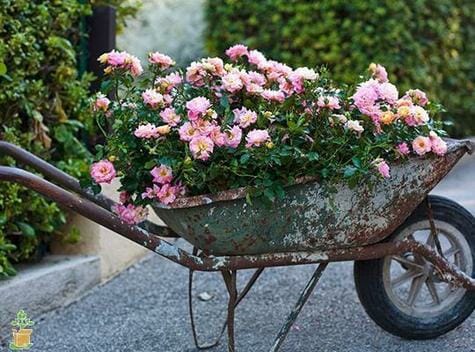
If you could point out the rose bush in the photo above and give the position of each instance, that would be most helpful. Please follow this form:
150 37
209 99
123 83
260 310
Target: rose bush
251 122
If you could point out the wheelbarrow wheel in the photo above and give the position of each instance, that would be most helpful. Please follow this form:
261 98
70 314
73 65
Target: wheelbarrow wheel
403 294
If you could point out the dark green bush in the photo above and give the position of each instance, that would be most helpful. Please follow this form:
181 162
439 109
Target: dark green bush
44 108
424 44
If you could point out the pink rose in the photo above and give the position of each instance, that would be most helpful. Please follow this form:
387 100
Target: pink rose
101 103
236 51
135 66
147 131
256 138
232 82
151 192
197 107
273 95
379 73
417 97
162 174
328 102
438 145
187 132
255 57
170 117
218 137
422 145
201 147
130 214
161 60
403 148
116 59
382 167
233 137
152 98
195 74
244 117
103 171
167 194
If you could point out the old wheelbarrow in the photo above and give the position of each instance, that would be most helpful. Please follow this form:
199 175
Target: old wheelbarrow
414 254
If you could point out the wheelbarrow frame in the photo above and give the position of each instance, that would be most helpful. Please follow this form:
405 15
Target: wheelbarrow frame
66 191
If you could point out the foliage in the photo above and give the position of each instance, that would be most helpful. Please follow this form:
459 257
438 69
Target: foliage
426 44
252 123
44 109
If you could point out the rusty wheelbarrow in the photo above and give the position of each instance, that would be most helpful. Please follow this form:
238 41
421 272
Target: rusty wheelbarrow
414 254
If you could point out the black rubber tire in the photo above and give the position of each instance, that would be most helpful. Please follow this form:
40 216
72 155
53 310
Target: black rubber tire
368 277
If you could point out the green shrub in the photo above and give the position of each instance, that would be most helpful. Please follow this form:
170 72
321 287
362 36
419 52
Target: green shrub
44 108
424 43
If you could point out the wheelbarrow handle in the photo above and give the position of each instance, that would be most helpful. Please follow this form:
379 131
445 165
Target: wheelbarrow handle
62 179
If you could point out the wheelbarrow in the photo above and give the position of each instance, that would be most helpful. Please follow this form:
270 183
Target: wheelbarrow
414 254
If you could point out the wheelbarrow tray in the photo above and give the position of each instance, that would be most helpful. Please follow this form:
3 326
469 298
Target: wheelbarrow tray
309 217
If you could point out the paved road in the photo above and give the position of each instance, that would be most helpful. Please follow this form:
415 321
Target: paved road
144 309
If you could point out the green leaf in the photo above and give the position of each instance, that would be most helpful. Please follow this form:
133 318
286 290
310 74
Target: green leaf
312 156
3 68
349 171
26 229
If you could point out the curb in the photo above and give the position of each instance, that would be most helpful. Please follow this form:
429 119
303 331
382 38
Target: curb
54 282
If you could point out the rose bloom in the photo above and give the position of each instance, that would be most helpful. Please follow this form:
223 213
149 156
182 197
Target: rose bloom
167 194
355 126
135 66
378 72
255 57
152 98
187 132
365 96
164 129
236 51
195 74
201 147
114 58
420 115
170 117
421 145
130 214
217 136
167 83
214 65
151 192
232 82
438 145
101 103
162 174
256 138
233 137
244 117
403 148
161 60
387 92
329 102
103 171
306 73
387 118
146 131
417 96
197 107
273 95
382 167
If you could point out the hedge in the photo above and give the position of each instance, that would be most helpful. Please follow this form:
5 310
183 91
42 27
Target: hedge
44 108
424 43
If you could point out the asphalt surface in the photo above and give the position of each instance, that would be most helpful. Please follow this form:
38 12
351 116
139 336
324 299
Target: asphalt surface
145 309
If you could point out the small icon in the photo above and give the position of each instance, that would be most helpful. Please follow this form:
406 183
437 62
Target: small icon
21 333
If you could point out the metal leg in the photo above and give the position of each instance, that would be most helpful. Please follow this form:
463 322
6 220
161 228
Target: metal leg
239 298
230 281
284 330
